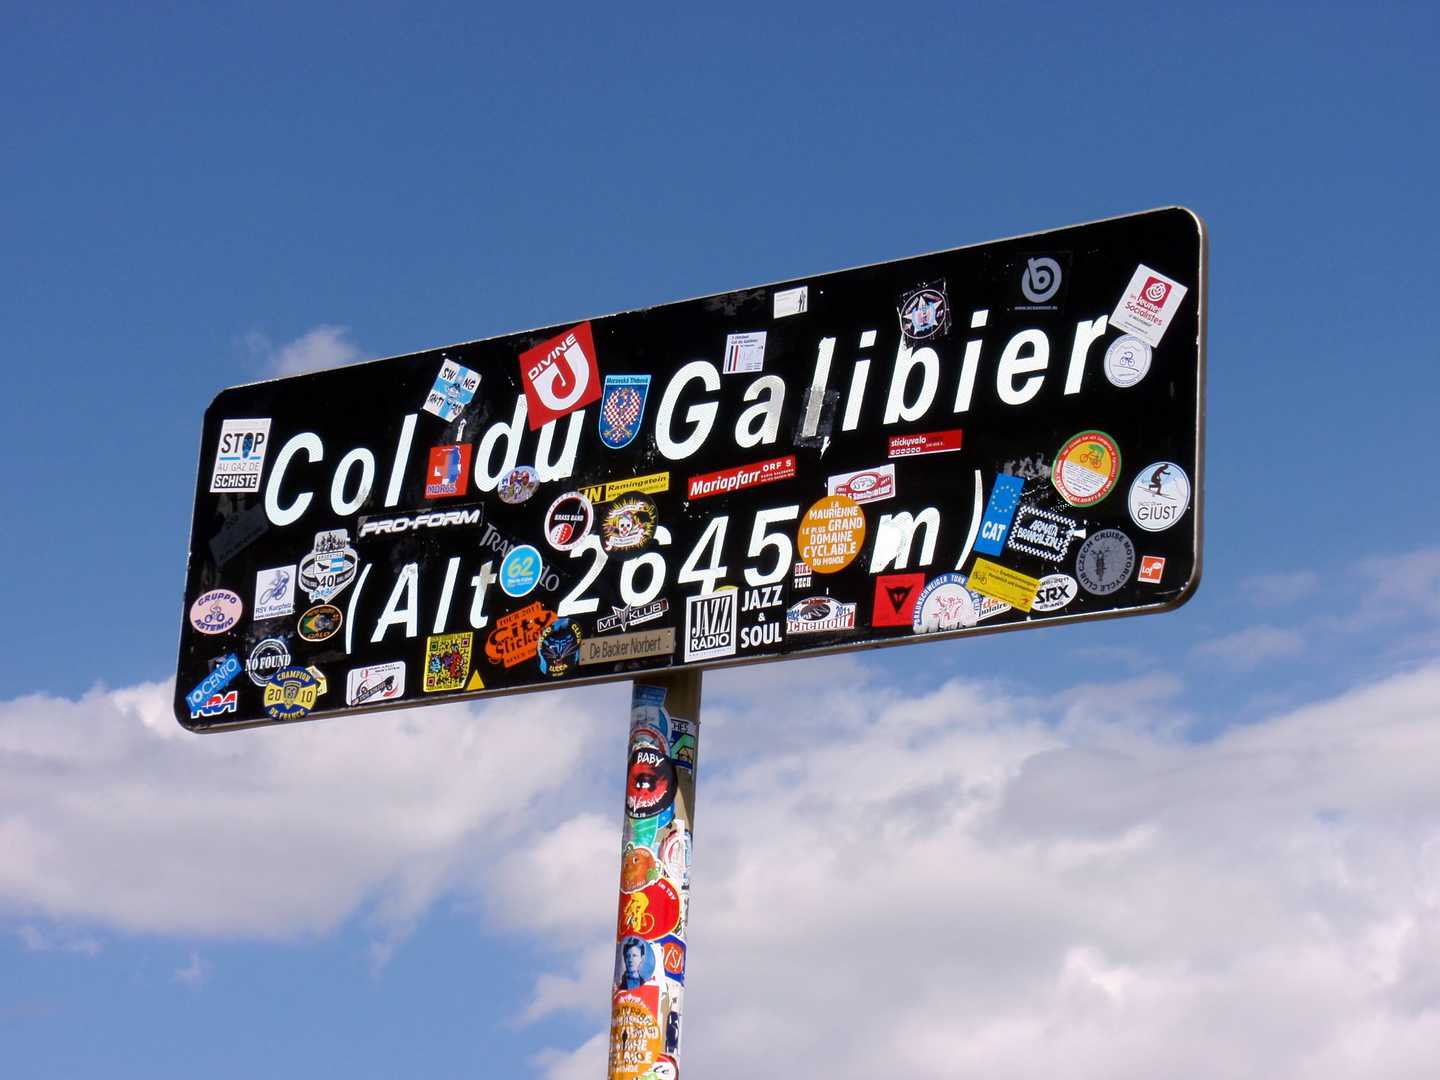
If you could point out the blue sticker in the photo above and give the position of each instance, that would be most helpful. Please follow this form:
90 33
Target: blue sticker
226 668
520 570
621 409
1004 498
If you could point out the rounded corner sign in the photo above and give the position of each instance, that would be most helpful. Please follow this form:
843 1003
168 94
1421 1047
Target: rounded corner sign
994 437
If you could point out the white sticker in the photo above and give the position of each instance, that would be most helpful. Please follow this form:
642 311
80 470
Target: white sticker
1159 496
378 682
865 485
454 388
1127 361
1148 304
745 352
240 455
794 301
274 593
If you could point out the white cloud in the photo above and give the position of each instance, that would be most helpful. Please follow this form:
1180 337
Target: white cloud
36 940
1247 649
193 974
1276 590
325 346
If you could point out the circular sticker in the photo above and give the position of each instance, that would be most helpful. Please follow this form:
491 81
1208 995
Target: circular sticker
291 694
320 623
629 523
1105 562
1159 496
520 570
568 520
634 963
559 647
637 868
651 912
944 604
831 534
1086 468
519 484
216 611
1127 360
649 783
266 659
924 313
1054 592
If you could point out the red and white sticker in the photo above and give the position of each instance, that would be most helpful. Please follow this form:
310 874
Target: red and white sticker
741 476
865 485
929 442
560 375
1152 567
1148 304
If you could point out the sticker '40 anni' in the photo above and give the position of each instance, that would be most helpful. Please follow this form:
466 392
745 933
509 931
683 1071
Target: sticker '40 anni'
642 577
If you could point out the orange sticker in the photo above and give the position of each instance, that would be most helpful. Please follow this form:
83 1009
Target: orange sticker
831 534
516 637
635 1035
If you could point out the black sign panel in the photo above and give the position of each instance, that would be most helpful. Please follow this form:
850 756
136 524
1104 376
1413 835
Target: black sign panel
987 438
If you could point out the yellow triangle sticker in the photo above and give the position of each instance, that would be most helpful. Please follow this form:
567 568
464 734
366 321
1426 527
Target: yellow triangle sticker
475 683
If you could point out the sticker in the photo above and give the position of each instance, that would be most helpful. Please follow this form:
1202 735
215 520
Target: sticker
762 597
631 615
831 534
1159 496
925 312
649 783
672 957
475 683
801 575
794 301
819 615
1086 468
447 661
1105 562
1004 498
216 611
560 375
454 388
1054 592
1127 361
425 519
622 407
516 636
864 485
520 570
651 912
638 868
519 484
1152 568
1148 304
628 524
266 659
674 849
1001 583
274 593
930 442
449 466
635 961
240 456
221 675
1043 533
330 566
944 604
895 596
239 532
711 625
568 521
740 477
744 353
292 693
632 646
1041 279
635 1036
320 623
215 704
652 484
377 682
559 647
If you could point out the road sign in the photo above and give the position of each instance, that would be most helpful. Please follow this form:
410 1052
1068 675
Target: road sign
992 437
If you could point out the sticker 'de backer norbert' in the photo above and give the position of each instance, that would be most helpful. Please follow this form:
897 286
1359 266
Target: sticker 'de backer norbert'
976 439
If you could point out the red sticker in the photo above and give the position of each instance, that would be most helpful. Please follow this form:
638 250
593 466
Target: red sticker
741 476
651 913
560 375
449 466
1152 567
895 596
929 442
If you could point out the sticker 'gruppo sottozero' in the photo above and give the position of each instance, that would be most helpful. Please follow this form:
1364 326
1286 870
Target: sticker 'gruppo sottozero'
1086 468
831 534
216 611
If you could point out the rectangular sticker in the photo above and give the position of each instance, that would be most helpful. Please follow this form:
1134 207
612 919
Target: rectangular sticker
711 625
792 301
378 682
930 442
454 388
1004 498
865 485
644 485
744 352
633 646
741 476
240 456
1148 304
1002 583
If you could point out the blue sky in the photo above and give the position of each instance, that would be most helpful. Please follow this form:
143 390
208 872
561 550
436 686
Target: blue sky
1219 827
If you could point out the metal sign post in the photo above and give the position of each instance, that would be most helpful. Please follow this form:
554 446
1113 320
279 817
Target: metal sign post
648 994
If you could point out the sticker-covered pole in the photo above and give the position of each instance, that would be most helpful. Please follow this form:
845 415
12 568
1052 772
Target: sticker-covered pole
647 995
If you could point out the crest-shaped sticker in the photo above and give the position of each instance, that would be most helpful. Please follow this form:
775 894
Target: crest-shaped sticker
622 407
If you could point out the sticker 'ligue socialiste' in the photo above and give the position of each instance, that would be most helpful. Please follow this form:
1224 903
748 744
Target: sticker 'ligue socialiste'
984 438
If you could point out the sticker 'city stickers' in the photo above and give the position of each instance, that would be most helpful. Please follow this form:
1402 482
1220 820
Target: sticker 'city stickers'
1086 468
240 456
560 375
447 661
622 407
516 636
